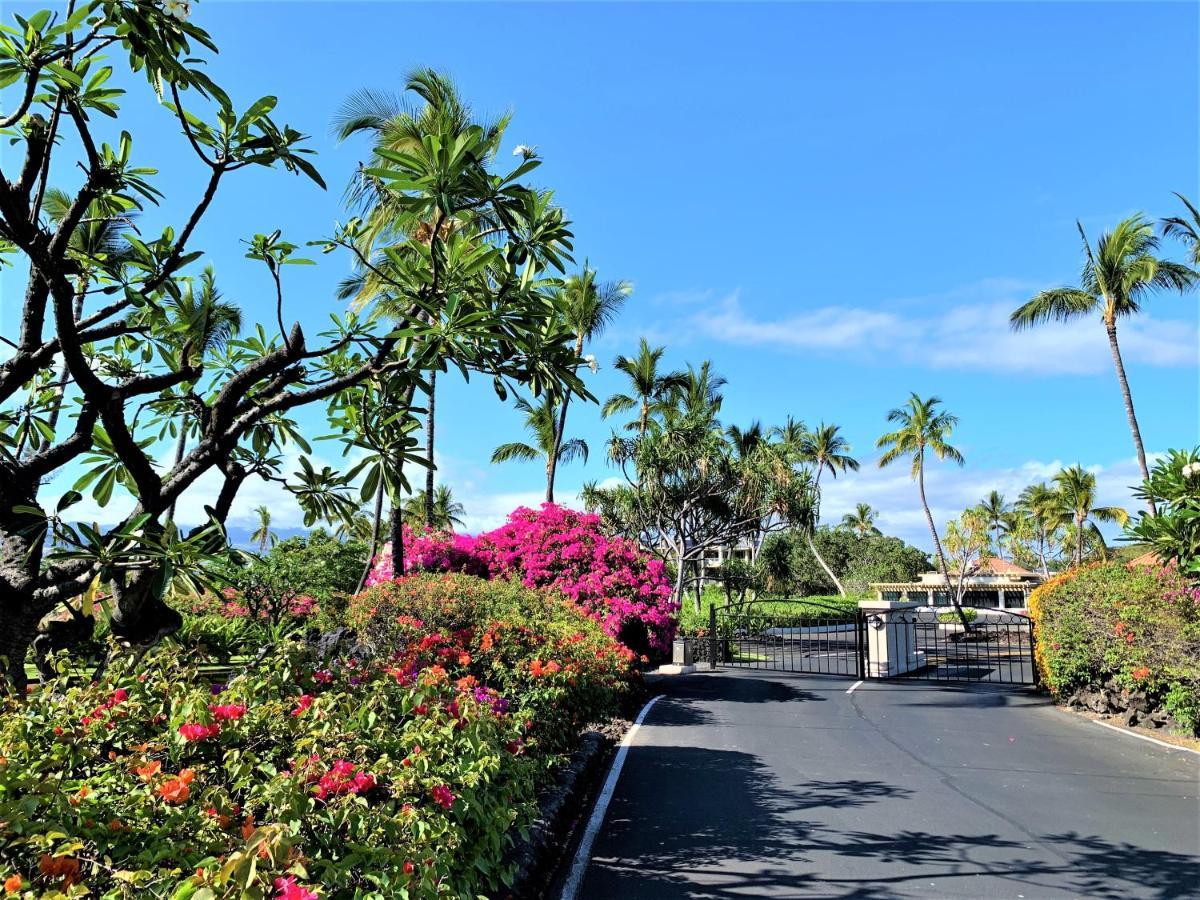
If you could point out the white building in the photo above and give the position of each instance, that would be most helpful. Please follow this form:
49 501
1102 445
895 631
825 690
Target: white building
992 584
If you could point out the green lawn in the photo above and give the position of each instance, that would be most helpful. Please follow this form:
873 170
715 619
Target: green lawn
799 608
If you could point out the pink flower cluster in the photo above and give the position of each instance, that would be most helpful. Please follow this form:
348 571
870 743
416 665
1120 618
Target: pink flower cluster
429 551
554 547
343 778
288 889
198 731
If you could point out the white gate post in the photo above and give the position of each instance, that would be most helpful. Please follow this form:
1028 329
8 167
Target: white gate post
891 638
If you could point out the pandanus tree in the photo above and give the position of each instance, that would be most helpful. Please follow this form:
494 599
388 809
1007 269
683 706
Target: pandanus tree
541 421
1119 274
923 427
1076 501
650 388
480 303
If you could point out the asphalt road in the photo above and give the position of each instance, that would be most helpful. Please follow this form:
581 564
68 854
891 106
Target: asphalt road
757 784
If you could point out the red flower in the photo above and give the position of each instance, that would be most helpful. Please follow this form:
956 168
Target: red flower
288 889
197 731
408 867
229 711
443 796
304 703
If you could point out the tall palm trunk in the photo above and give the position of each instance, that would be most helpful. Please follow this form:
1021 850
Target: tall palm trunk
937 544
1079 540
376 522
429 448
396 525
812 546
180 446
560 431
1111 328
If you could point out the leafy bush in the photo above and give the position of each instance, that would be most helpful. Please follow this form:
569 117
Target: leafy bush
610 578
531 645
788 567
1139 625
1173 534
398 775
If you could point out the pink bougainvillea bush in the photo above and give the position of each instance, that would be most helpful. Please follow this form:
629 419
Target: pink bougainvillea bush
429 551
553 547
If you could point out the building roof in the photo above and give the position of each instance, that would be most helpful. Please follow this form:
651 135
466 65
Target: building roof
997 566
1149 558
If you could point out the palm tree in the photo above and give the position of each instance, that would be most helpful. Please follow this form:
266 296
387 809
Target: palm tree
994 509
263 535
826 451
650 388
202 323
861 521
1118 276
590 308
1076 489
540 421
745 442
1185 229
1038 503
923 428
696 397
447 512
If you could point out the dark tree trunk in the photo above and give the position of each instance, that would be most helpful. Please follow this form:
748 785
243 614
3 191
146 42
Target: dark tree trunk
1111 328
396 531
180 447
429 419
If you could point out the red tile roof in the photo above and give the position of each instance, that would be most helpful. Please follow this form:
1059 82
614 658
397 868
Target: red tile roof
998 566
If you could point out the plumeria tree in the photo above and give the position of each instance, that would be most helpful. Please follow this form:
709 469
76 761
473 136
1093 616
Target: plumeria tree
100 357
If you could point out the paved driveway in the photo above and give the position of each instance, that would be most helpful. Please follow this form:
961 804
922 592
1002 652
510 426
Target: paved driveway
751 784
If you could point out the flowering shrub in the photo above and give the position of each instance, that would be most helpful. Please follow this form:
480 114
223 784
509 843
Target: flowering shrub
1140 626
556 667
610 578
429 551
393 779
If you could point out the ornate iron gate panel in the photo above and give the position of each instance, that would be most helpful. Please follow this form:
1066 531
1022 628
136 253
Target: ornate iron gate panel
788 636
920 644
996 648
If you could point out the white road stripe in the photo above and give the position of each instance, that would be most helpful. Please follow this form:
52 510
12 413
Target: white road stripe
853 686
583 854
1146 737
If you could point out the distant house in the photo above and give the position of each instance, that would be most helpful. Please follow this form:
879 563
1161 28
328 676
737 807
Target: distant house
715 557
993 584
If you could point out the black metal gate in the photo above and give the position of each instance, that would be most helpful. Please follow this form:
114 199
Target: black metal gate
788 636
921 644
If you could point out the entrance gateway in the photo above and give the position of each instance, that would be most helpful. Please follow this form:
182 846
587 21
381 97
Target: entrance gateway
880 639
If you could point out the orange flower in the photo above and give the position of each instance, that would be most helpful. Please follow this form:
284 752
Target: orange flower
535 668
1140 673
464 659
174 791
149 770
187 776
487 642
13 883
248 827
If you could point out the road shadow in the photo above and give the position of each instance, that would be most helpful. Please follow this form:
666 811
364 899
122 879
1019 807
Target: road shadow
690 823
689 696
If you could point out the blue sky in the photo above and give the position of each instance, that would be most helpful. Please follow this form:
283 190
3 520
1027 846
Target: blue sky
837 204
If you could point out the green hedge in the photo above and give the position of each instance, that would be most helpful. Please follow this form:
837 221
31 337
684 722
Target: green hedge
692 622
1139 626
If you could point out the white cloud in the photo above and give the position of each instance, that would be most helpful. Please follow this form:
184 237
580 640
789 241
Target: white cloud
968 329
950 490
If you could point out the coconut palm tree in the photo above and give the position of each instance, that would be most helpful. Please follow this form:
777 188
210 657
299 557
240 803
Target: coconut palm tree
994 509
202 323
1185 229
861 521
826 451
1118 276
540 421
923 428
1076 490
447 512
590 308
696 397
263 535
649 387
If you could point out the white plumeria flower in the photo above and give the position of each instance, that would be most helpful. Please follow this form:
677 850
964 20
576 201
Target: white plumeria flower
1191 469
179 9
524 150
590 359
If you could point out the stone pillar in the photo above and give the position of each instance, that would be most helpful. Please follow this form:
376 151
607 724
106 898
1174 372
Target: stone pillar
891 641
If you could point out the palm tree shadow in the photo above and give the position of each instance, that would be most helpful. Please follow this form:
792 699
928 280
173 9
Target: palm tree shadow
691 822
